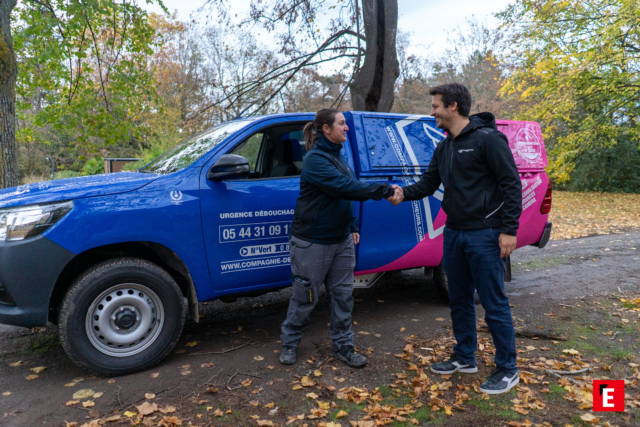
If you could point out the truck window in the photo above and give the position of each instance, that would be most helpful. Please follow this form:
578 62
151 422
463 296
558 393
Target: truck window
275 152
194 147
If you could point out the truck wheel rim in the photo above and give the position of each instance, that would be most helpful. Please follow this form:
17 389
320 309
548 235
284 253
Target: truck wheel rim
125 320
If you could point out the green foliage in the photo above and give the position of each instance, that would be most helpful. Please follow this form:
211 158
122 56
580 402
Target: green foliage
67 174
93 166
84 70
155 150
577 72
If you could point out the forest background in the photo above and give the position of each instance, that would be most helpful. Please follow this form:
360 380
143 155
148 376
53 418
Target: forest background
105 78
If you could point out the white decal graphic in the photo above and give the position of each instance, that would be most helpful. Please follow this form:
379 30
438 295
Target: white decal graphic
529 195
247 251
176 197
400 125
528 145
254 264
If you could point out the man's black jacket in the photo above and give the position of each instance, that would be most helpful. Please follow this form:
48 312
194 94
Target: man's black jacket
482 187
324 210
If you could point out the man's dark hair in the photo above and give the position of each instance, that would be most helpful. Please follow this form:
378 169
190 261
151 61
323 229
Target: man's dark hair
454 92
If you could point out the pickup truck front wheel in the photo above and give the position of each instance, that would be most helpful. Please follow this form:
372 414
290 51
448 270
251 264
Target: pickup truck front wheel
121 316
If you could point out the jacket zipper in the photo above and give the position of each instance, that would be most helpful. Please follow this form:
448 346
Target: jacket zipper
497 209
451 179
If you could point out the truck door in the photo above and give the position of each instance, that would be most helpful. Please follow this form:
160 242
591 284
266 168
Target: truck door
397 149
246 222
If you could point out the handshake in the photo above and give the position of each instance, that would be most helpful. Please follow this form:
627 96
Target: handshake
398 195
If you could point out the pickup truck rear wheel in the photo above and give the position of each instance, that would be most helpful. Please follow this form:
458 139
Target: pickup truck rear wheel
121 316
440 282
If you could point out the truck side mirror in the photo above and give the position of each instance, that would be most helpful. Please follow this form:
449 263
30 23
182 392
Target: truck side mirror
229 166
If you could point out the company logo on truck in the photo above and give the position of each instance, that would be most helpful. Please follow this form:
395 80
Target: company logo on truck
528 145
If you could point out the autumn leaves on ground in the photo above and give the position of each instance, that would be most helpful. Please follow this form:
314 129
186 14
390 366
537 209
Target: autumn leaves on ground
587 214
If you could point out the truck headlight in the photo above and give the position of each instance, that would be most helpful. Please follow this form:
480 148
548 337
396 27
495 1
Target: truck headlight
23 222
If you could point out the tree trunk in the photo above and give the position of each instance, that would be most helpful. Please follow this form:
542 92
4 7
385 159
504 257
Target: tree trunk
373 85
8 73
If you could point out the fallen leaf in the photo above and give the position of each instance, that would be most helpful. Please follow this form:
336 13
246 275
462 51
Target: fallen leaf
18 363
83 394
97 395
147 408
170 422
571 351
167 409
38 369
113 418
403 329
254 403
307 382
130 414
296 387
340 380
6 393
265 423
246 383
440 319
312 395
589 418
342 414
155 375
270 367
212 390
270 405
192 344
207 365
258 358
32 377
72 402
149 396
218 413
317 373
88 403
71 424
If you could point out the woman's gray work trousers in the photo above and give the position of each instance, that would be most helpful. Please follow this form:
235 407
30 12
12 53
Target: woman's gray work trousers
311 265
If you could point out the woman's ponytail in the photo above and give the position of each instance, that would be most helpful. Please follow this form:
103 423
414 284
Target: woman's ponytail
310 136
312 129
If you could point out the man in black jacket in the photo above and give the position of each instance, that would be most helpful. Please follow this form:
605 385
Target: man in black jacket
483 203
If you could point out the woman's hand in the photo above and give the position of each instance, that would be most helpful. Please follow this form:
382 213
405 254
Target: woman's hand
356 238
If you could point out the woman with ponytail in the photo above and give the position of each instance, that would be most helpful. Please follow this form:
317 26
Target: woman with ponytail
323 234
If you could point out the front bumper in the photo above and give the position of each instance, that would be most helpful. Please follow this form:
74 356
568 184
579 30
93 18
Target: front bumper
28 272
546 235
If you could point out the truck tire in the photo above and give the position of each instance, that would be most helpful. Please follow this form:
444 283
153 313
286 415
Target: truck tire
440 282
121 316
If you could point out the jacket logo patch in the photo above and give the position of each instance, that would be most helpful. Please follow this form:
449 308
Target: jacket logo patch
465 151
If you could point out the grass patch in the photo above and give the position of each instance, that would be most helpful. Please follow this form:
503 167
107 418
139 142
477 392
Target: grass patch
41 345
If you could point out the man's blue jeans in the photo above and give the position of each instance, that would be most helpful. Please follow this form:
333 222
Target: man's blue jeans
472 262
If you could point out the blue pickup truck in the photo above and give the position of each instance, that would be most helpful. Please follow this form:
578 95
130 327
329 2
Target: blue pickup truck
118 261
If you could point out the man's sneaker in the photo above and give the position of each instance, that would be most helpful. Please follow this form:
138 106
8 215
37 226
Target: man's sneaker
349 355
453 365
499 382
288 355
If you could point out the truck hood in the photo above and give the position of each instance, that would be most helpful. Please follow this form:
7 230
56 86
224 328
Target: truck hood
74 188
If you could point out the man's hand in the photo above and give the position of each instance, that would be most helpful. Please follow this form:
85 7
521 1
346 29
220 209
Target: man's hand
507 245
398 195
356 238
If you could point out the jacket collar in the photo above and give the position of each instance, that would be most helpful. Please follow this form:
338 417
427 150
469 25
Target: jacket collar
325 145
480 120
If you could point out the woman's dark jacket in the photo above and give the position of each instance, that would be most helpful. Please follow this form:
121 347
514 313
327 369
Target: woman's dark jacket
324 210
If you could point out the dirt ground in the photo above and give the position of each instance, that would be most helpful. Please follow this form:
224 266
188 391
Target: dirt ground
581 291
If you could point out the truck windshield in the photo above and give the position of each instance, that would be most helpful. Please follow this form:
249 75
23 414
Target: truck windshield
191 149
